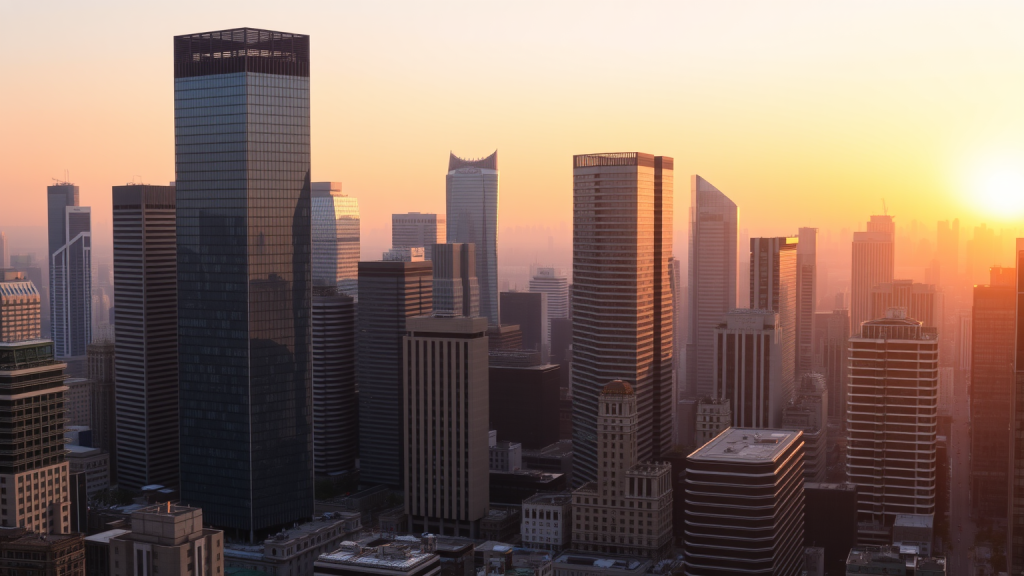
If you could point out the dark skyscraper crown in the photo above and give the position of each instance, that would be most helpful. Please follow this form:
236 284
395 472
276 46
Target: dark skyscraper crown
241 50
489 163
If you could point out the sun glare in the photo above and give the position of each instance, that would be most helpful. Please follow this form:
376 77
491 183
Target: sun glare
1002 194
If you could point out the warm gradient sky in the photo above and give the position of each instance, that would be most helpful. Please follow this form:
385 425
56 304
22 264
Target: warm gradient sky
805 113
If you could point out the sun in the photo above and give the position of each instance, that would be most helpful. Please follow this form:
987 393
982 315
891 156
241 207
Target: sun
1001 193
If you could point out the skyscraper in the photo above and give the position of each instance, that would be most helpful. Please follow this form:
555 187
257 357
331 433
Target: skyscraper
621 298
456 287
748 361
146 341
415 230
444 424
891 417
3 250
472 202
873 263
992 336
712 278
921 301
19 307
244 276
70 264
529 311
831 352
103 402
335 401
808 411
392 292
551 282
335 238
774 286
807 298
948 251
1015 530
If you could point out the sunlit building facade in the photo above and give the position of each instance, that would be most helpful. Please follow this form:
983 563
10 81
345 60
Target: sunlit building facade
416 230
471 193
335 233
774 286
873 263
806 299
19 307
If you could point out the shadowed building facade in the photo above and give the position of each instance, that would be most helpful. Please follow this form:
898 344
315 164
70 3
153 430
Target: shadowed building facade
241 111
70 264
471 193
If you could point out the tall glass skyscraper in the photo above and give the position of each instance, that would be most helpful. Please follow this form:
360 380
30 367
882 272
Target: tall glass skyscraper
472 200
70 263
241 114
335 238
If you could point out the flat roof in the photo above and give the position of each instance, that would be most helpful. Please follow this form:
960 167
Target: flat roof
104 537
914 520
550 499
746 445
370 557
598 561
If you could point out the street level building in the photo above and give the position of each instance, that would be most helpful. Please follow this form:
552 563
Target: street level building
415 230
471 198
294 550
335 237
386 559
574 563
167 539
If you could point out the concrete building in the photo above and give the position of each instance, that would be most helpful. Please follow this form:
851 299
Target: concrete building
547 522
20 307
392 292
891 418
873 263
23 552
144 381
806 299
69 238
643 490
831 357
712 279
78 401
100 356
456 288
574 563
444 430
294 551
471 199
503 456
94 463
774 287
759 533
529 311
167 539
622 305
808 412
748 361
553 283
335 238
524 401
335 400
923 302
713 416
386 559
415 230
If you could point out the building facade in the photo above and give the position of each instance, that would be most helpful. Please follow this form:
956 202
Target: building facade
244 277
808 412
748 361
873 263
713 416
20 307
524 402
807 298
444 431
456 287
831 357
102 423
146 348
1015 530
335 400
923 302
335 234
168 540
774 285
529 311
471 193
415 230
547 522
551 282
23 552
621 297
70 264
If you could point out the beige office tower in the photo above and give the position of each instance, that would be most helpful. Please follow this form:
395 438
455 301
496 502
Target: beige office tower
415 230
873 263
445 424
891 414
20 305
167 540
628 510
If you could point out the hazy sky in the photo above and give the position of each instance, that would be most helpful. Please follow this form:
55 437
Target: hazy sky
805 113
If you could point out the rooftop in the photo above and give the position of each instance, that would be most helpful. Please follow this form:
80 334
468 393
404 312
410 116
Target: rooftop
914 520
393 556
581 559
550 499
746 445
104 537
617 387
848 487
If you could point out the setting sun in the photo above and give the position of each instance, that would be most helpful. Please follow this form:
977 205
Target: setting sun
1001 194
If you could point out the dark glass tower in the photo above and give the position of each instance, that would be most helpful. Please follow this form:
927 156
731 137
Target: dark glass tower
241 113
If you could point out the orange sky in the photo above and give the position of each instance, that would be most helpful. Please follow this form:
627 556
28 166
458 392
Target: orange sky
805 113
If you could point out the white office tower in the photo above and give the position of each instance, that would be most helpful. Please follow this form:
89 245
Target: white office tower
807 296
456 292
747 360
553 283
891 417
712 278
415 230
472 204
873 263
335 238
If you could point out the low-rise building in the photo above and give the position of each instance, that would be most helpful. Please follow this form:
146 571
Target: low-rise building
293 552
505 456
713 416
547 522
501 524
28 553
583 564
97 552
554 458
94 463
169 540
392 559
511 488
914 530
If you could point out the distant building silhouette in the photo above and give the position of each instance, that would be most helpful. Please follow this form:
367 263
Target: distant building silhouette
873 263
70 264
806 299
774 286
415 230
551 282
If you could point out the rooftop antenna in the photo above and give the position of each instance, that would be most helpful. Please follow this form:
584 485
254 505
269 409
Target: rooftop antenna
885 210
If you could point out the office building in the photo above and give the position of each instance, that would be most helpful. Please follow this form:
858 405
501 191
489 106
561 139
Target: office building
102 422
335 401
807 298
3 250
29 266
632 484
415 230
891 417
529 311
917 530
553 283
774 286
873 263
621 297
921 301
509 339
757 475
444 431
403 255
33 379
681 299
23 552
294 550
547 522
456 287
93 464
713 416
471 194
70 265
20 307
831 357
712 279
1015 530
503 456
392 292
947 250
169 540
808 412
389 559
830 520
335 237
78 401
991 365
145 354
748 363
524 402
244 277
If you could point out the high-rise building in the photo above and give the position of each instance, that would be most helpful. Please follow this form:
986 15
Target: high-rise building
748 365
444 430
170 540
70 264
807 298
757 476
551 282
20 306
831 357
712 279
335 236
891 416
808 411
922 302
528 310
244 277
456 287
146 336
774 286
472 210
100 357
873 263
392 292
1015 530
524 401
948 251
415 230
621 298
631 483
28 265
983 252
335 401
33 380
3 250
